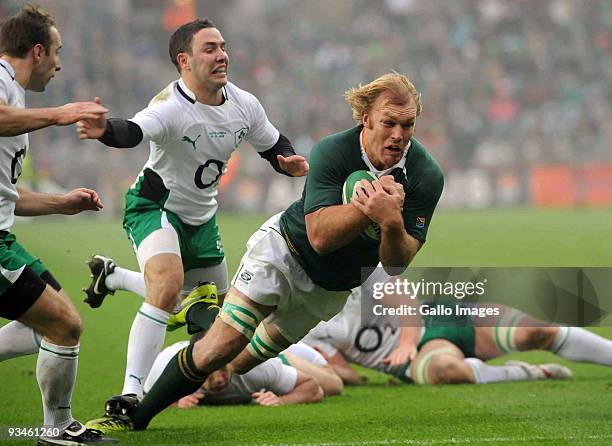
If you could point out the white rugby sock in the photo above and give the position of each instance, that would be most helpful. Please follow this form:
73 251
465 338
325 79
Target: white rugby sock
145 342
56 371
578 344
484 373
128 280
17 339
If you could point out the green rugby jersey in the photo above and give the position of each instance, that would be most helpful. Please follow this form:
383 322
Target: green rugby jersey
332 160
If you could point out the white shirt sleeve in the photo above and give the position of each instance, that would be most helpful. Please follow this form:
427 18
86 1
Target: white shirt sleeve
307 353
284 378
262 134
158 122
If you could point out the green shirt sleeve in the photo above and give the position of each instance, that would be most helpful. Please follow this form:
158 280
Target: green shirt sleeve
325 178
421 199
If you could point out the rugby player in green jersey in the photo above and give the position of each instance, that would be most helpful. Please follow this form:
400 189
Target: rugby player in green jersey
301 264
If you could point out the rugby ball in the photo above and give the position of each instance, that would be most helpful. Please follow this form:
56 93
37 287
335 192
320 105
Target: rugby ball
372 232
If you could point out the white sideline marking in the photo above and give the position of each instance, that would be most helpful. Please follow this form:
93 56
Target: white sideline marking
493 440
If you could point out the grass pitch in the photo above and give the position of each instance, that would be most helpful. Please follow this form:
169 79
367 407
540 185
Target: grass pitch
543 413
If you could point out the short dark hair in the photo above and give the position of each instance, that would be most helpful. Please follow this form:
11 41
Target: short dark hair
21 32
180 41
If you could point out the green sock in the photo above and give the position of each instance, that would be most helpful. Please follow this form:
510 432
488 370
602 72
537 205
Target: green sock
179 378
200 317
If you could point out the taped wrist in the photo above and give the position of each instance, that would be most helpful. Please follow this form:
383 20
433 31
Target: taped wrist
282 147
121 133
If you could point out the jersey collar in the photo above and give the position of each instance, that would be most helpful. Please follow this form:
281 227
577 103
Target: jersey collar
379 173
185 92
190 96
8 67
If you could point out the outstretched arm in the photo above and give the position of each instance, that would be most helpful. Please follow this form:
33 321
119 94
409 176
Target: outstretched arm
16 121
283 159
113 132
35 203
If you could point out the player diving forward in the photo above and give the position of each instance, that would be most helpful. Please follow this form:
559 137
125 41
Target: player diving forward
300 265
193 126
450 349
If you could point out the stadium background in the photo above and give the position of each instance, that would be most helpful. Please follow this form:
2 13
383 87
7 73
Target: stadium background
516 94
517 109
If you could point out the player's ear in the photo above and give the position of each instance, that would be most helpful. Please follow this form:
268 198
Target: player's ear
182 60
366 120
37 52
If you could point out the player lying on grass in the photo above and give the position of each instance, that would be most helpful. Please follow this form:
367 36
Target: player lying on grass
298 375
44 320
450 349
301 264
192 126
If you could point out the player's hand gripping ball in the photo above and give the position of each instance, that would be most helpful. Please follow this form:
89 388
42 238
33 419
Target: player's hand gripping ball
372 232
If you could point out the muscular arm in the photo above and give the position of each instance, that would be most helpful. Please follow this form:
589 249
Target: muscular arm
397 247
16 121
332 227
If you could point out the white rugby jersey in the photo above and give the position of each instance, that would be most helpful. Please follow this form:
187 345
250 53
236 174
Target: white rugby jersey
271 375
12 148
361 342
192 142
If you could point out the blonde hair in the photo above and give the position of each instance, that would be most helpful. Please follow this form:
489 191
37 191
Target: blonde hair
362 97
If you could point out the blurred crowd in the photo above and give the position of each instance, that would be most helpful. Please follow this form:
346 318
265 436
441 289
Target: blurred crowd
506 85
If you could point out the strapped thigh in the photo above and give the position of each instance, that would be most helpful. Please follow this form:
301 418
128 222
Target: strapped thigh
262 346
240 315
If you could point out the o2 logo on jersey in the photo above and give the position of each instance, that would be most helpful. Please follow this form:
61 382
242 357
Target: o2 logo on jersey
17 164
368 339
240 134
210 169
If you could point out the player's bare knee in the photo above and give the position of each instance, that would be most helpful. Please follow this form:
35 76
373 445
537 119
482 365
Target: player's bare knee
448 369
68 329
163 289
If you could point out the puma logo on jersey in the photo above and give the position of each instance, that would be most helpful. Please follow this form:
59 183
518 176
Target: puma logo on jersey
191 141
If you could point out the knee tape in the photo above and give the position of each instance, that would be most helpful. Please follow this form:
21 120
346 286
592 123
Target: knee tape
421 370
504 330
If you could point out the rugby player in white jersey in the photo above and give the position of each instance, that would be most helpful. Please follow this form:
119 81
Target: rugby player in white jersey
298 375
44 318
434 351
193 126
